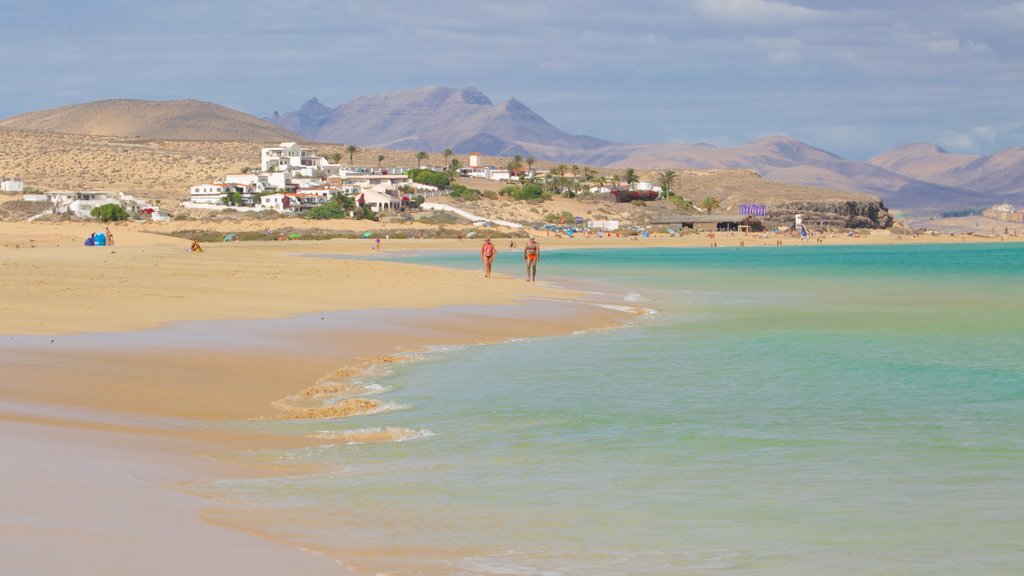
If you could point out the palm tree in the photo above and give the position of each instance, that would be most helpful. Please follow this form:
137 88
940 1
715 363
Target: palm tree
347 203
575 170
529 162
631 178
588 176
709 204
447 153
665 179
420 157
511 167
453 169
380 160
335 157
351 149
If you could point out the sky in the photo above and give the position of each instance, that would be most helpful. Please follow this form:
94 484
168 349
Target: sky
854 77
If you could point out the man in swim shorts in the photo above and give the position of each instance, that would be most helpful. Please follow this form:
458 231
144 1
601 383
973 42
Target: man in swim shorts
531 254
487 252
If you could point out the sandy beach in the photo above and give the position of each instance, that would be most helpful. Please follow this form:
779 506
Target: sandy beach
105 420
121 362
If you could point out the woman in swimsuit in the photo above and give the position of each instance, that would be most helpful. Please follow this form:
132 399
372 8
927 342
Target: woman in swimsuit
487 252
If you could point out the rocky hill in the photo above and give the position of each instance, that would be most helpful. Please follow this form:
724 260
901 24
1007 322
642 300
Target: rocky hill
161 120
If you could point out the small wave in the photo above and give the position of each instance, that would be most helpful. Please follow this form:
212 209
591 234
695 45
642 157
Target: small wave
629 309
375 435
328 388
341 409
633 297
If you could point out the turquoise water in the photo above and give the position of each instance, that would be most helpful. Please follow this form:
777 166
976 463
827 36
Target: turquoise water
789 411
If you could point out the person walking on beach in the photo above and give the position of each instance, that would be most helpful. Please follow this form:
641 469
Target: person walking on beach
531 254
487 252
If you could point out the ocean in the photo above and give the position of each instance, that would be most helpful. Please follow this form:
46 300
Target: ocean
800 410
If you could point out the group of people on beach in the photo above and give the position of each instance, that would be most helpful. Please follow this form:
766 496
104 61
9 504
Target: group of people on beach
531 255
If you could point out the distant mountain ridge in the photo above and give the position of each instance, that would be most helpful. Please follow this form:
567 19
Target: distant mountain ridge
435 118
915 177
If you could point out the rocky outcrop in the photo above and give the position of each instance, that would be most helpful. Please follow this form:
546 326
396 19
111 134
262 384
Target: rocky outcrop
845 214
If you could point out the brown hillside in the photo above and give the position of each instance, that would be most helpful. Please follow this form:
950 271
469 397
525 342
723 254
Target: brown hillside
164 120
165 169
156 169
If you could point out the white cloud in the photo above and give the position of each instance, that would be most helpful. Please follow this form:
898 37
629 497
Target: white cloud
1009 14
959 142
984 133
755 12
953 46
778 50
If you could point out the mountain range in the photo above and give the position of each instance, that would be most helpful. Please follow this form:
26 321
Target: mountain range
919 178
915 177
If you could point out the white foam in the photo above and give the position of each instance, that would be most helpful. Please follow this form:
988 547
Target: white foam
370 435
633 297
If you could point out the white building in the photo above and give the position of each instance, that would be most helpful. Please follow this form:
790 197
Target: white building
289 156
378 200
81 204
12 185
216 192
256 181
290 202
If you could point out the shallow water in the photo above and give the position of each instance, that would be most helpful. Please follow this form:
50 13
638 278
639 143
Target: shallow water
798 410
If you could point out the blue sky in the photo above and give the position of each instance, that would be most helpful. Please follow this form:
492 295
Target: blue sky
855 77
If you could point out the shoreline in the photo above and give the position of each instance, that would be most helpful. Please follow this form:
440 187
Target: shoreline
130 393
121 344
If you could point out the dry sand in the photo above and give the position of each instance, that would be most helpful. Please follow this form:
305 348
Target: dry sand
102 420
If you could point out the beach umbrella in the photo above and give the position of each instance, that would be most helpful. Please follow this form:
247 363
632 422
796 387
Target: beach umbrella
294 235
367 234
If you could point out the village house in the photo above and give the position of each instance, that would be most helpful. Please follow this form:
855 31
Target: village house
289 156
1004 213
378 200
255 180
291 202
12 185
293 179
215 193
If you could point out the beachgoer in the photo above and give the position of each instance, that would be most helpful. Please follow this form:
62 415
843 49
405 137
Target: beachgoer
378 243
195 247
531 254
110 237
487 252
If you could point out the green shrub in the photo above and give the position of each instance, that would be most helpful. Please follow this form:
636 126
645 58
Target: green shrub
460 191
681 203
109 213
429 177
528 192
331 210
